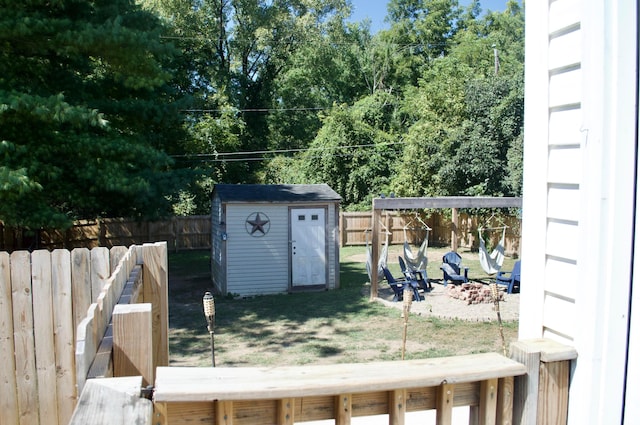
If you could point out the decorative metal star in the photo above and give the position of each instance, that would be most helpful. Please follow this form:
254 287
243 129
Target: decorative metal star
257 224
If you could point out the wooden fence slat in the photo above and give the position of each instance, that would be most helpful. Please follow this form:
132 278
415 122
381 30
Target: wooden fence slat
43 332
100 270
80 284
64 331
115 255
26 379
85 347
8 395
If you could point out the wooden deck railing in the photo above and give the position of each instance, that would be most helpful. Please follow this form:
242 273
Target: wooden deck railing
530 388
287 395
496 389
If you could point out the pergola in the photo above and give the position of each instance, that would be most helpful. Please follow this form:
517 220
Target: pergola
453 202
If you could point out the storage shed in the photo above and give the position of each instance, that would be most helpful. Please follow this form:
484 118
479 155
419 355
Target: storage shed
269 239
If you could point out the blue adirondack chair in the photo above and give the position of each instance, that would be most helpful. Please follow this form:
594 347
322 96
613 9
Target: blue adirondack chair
398 286
419 276
451 267
510 279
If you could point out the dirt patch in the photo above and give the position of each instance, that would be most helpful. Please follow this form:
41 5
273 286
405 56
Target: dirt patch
438 303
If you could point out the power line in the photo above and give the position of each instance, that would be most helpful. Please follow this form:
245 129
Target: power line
205 111
215 157
332 43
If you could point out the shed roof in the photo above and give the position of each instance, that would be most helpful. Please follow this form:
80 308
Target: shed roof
275 193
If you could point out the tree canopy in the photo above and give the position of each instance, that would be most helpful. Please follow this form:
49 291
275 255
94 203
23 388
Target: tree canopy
118 108
86 112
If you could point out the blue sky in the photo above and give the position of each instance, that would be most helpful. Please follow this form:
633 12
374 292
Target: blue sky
376 10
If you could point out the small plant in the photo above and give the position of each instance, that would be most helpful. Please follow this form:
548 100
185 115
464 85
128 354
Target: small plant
232 296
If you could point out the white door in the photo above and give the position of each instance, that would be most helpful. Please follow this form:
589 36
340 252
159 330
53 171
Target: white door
308 247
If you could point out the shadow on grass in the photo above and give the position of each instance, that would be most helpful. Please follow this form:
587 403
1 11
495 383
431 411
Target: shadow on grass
335 326
308 321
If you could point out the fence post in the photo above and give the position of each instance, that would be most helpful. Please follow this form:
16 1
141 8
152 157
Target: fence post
132 341
454 229
542 395
375 251
155 289
176 233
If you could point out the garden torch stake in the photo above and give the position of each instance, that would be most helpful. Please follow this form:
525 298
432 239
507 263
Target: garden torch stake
496 303
210 313
407 297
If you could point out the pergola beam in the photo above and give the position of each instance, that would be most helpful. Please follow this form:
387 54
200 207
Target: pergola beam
440 202
446 202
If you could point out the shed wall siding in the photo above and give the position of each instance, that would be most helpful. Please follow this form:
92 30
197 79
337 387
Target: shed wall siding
333 246
257 265
217 246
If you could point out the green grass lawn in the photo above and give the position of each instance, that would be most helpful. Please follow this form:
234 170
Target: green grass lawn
334 326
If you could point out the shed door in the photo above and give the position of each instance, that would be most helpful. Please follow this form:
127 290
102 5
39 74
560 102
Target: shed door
308 247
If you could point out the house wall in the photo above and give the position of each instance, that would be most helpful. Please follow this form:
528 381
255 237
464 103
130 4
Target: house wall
578 203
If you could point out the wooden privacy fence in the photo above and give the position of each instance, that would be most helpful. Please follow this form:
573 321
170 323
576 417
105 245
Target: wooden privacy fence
180 233
194 232
44 297
532 388
355 229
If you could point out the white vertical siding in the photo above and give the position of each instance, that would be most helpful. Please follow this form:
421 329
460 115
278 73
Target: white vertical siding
580 151
257 265
261 265
217 246
333 246
553 168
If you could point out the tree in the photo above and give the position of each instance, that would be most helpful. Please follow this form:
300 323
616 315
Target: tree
86 112
464 119
355 151
325 70
238 51
421 31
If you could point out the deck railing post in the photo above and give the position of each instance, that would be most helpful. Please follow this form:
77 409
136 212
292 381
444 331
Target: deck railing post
397 406
444 404
541 396
132 341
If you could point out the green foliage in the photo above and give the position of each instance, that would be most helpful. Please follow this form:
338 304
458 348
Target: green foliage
354 152
85 109
111 108
464 120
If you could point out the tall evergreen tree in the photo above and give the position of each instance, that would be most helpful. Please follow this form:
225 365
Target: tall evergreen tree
86 112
